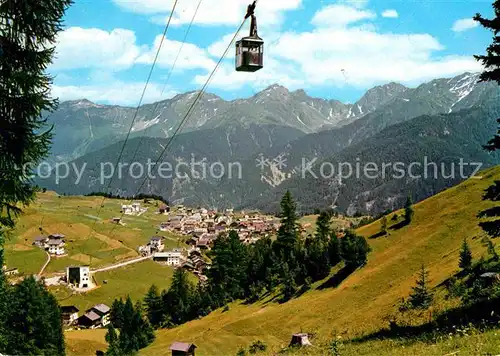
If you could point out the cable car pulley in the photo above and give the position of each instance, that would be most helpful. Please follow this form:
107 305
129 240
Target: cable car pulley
250 50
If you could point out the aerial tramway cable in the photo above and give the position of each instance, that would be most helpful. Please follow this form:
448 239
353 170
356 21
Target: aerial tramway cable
136 112
168 77
190 110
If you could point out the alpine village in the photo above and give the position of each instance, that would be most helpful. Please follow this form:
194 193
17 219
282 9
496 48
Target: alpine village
255 241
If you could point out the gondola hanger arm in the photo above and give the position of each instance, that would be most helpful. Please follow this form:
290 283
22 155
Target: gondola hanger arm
251 9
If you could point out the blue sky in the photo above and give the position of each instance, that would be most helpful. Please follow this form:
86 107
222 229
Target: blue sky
332 49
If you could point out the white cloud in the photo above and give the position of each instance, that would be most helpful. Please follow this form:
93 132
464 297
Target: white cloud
336 56
268 12
355 3
340 16
390 13
117 50
274 71
94 48
115 92
464 25
191 56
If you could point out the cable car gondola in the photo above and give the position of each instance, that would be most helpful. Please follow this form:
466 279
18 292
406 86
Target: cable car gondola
250 50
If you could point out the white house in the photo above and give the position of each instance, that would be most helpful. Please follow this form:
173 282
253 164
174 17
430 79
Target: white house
135 208
171 258
56 247
156 243
79 276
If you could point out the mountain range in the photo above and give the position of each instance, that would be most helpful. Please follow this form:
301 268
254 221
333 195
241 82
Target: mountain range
280 129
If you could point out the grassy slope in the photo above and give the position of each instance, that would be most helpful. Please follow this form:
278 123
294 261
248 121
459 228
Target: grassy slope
75 217
361 302
133 280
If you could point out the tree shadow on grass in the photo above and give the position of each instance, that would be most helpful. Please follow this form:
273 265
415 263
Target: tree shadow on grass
399 225
483 314
378 234
337 278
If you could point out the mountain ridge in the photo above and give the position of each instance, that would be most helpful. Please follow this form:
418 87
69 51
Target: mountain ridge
82 126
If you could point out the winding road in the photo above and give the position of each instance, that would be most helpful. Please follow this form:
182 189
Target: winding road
121 264
45 265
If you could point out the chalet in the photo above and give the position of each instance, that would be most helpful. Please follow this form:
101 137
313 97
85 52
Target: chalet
176 222
69 314
182 349
41 241
56 247
103 311
192 241
56 237
11 271
223 219
164 227
200 230
95 317
259 226
131 209
156 244
188 265
171 258
198 262
117 220
90 320
164 209
220 228
209 222
181 208
79 276
203 243
301 339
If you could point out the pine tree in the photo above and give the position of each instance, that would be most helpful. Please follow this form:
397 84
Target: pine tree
238 267
354 250
491 250
24 96
465 262
154 306
116 314
491 61
128 339
113 343
323 228
408 210
421 297
136 331
177 299
288 233
34 321
4 302
383 225
334 250
289 286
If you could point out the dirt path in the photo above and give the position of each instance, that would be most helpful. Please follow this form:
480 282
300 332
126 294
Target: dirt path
121 264
45 265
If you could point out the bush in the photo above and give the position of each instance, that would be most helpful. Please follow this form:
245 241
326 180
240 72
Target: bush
257 346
